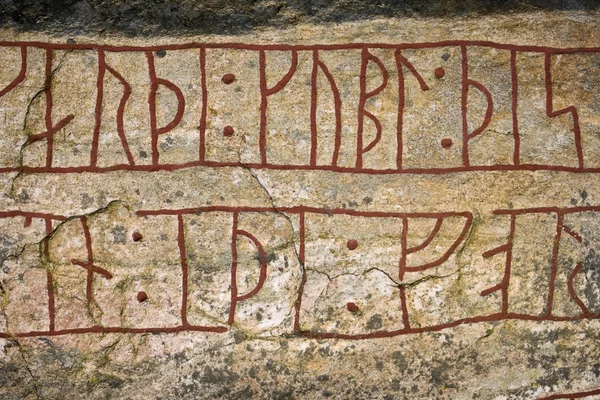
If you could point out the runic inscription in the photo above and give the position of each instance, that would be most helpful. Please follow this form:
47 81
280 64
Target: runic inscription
368 108
230 260
351 272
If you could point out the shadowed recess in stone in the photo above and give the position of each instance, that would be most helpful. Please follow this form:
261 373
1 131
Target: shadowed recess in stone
141 18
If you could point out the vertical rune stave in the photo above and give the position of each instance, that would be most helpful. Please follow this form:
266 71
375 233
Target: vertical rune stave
373 105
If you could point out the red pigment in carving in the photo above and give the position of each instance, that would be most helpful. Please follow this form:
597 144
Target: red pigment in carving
337 103
262 257
184 269
571 396
265 92
154 130
228 79
202 138
301 255
466 84
136 236
404 218
21 75
102 68
49 281
141 297
89 264
352 307
228 131
362 112
551 113
352 244
402 64
439 72
446 143
514 107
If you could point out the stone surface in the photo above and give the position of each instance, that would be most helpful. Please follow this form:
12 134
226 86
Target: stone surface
384 208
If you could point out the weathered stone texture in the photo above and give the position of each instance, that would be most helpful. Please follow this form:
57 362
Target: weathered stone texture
379 209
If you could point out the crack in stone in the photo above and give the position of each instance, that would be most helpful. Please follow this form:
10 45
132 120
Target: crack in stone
28 109
3 282
428 278
47 86
26 364
46 262
288 219
357 274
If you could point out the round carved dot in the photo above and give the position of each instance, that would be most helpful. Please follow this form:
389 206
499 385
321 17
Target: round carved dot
228 131
161 53
352 244
228 78
142 296
136 236
440 72
446 143
352 307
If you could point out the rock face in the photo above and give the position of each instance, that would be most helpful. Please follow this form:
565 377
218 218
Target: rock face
378 209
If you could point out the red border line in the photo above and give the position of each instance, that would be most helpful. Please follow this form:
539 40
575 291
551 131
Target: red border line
279 167
546 210
576 395
21 75
184 269
435 328
301 210
299 47
51 129
108 329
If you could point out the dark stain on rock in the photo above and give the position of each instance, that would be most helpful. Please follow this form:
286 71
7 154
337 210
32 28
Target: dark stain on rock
218 376
399 360
554 377
252 372
106 379
86 200
119 234
7 247
101 200
167 144
22 197
591 269
276 369
375 322
244 394
134 18
239 336
439 373
286 394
